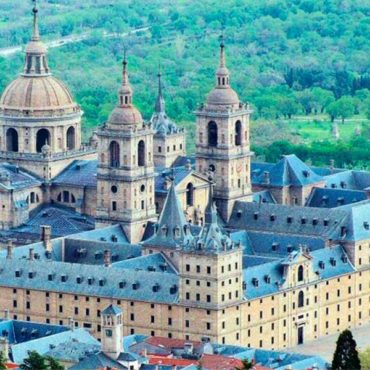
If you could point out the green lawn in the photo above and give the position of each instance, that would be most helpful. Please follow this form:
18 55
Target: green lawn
310 129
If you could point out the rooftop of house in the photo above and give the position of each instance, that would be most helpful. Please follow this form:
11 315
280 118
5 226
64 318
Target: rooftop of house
97 361
14 178
289 171
24 336
78 173
350 179
331 198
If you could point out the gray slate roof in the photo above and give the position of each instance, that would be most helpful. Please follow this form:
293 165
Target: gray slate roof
331 198
78 173
19 178
289 171
90 280
351 179
97 361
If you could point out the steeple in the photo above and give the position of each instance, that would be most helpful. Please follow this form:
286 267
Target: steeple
125 91
36 61
172 229
222 74
159 104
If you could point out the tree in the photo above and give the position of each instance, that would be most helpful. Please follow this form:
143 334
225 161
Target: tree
343 108
54 364
346 355
365 358
246 365
34 361
288 107
2 361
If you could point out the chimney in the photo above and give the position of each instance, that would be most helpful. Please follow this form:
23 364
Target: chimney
9 249
332 166
31 254
71 323
107 258
188 165
266 177
46 237
6 314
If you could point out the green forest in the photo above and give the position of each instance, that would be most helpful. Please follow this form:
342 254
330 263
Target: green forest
302 64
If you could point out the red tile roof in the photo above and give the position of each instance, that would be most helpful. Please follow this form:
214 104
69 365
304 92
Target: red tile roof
217 362
170 342
158 360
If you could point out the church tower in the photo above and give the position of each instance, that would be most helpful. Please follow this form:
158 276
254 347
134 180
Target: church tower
125 176
112 331
40 124
222 141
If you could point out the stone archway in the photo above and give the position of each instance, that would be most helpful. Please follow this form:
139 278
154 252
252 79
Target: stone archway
42 138
71 138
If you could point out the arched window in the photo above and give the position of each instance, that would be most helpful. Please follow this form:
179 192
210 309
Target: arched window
32 197
190 194
42 138
66 196
141 153
300 299
238 133
212 133
73 199
300 273
114 154
12 140
71 138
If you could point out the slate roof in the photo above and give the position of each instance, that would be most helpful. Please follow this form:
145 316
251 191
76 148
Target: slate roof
289 171
351 179
263 197
331 198
274 270
284 219
181 161
63 221
26 336
90 280
79 173
73 351
112 310
97 361
172 228
150 262
178 174
19 178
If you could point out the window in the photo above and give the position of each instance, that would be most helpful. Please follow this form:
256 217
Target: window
71 138
190 194
238 133
300 299
212 133
114 154
114 206
12 140
141 153
300 273
208 326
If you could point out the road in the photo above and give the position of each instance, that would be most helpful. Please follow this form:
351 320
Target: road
71 39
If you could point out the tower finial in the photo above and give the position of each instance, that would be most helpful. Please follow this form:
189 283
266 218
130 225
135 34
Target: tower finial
222 51
159 104
124 71
35 32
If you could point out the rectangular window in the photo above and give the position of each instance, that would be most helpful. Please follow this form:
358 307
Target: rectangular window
208 270
198 268
28 305
114 206
152 319
47 307
60 309
187 268
187 324
208 326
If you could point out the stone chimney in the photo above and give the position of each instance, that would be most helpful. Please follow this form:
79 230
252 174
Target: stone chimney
332 162
107 258
188 165
46 237
6 314
71 323
9 248
31 254
266 177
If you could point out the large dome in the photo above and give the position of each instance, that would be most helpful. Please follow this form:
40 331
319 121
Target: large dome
223 96
38 96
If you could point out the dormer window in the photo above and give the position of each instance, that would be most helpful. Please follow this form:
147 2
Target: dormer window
31 274
366 225
272 217
315 221
156 288
18 273
78 279
322 265
274 246
255 282
90 281
333 261
343 231
255 216
122 284
289 219
63 278
303 220
173 289
101 282
50 277
267 279
135 286
326 222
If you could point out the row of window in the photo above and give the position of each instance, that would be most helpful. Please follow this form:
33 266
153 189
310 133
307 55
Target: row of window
198 268
174 148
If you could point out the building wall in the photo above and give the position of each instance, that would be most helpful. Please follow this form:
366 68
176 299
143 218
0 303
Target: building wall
168 148
269 322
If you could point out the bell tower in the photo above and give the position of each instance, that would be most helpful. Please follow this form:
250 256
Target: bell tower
112 331
222 141
125 176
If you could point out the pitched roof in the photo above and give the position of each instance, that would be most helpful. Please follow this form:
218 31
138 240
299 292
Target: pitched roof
350 179
14 178
289 171
112 310
97 361
331 198
79 173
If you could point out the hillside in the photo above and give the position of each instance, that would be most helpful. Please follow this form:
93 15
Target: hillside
288 58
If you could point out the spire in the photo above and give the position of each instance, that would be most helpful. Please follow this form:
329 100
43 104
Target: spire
35 32
36 62
125 92
160 104
211 211
222 74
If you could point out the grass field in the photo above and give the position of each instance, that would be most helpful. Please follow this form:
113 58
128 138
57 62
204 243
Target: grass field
316 128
